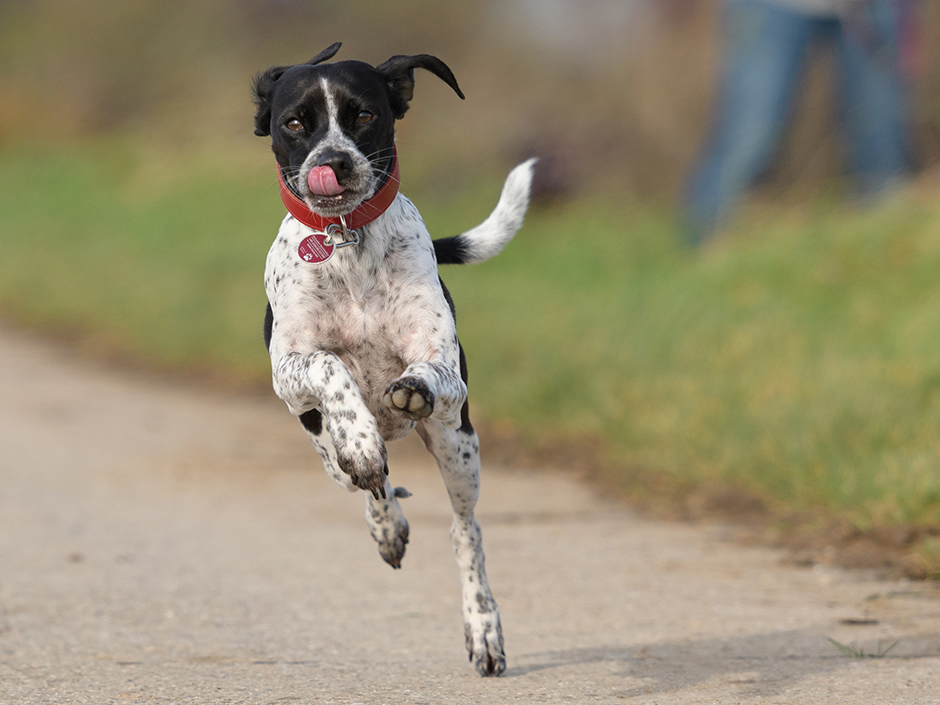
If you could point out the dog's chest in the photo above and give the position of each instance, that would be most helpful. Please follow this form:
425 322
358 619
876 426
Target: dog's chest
373 306
352 309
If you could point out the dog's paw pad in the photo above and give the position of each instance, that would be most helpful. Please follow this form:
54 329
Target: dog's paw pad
410 397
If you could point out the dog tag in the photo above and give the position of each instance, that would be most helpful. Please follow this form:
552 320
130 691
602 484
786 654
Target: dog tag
314 249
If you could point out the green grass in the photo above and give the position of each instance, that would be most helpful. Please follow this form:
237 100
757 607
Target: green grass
852 651
164 268
799 358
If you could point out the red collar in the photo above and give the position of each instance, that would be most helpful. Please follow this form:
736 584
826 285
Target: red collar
363 214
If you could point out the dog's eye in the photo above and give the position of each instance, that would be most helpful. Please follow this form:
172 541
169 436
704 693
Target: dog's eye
365 116
294 125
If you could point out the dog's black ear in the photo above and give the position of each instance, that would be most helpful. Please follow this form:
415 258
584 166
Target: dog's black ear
261 89
327 53
263 85
399 74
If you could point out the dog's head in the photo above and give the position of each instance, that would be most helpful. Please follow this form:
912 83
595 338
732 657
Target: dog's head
332 126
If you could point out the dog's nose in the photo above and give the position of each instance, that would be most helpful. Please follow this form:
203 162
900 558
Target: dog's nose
339 162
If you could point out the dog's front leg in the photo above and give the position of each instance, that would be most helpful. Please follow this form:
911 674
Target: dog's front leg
321 380
428 389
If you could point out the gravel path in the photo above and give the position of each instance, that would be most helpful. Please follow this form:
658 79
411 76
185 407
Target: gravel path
160 544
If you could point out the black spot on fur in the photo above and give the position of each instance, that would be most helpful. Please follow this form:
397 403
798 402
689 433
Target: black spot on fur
465 425
449 299
268 326
312 421
482 602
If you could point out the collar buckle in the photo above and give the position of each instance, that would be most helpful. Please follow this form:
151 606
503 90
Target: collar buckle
350 237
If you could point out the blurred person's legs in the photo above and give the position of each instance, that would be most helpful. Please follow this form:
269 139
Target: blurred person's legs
765 49
873 98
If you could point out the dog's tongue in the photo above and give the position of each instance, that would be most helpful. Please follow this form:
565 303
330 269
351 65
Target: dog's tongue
322 182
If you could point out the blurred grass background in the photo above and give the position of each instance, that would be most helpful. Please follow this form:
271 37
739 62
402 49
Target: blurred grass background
795 360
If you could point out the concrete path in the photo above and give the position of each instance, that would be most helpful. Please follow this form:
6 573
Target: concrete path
160 544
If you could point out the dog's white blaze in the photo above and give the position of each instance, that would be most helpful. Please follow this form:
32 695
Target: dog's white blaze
334 135
337 140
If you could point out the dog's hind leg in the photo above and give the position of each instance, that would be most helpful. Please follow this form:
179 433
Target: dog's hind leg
387 523
458 457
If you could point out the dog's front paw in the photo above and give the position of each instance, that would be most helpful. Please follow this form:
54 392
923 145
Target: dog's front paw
369 478
361 454
410 397
365 475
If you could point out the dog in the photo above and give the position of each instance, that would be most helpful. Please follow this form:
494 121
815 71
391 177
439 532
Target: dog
359 326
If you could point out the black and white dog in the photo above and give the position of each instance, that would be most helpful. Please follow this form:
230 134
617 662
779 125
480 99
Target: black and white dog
359 326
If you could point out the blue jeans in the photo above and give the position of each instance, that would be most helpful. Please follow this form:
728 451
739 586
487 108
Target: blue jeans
766 48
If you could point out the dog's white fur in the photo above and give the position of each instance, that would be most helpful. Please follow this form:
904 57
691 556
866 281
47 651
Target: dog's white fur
490 237
369 340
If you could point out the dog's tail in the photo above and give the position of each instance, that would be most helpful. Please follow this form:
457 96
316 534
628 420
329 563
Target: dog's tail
490 237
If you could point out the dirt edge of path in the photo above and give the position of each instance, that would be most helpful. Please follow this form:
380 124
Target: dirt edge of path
814 537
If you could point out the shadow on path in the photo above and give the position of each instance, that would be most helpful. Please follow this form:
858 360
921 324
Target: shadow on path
774 660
